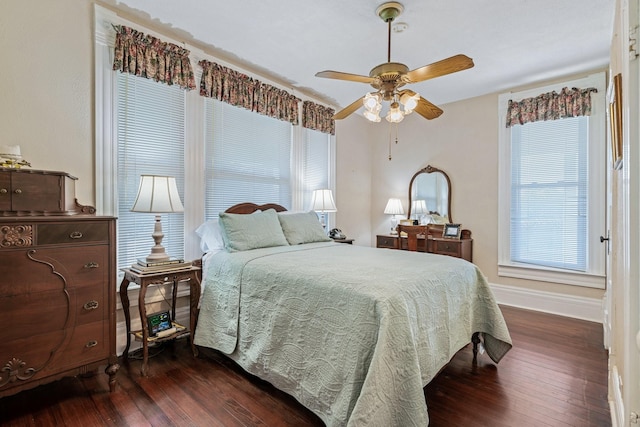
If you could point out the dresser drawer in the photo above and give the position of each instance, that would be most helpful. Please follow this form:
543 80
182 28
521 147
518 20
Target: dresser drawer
88 343
389 242
32 351
29 315
53 268
447 247
72 232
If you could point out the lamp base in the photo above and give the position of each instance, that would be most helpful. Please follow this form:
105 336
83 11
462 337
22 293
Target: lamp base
394 226
158 253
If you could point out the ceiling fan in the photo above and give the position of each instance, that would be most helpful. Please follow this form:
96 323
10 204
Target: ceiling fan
387 78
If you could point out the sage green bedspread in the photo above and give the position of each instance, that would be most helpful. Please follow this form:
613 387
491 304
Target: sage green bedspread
353 333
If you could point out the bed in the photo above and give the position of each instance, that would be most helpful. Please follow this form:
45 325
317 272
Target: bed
353 333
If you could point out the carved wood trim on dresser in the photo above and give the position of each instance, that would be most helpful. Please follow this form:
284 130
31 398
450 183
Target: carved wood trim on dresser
57 297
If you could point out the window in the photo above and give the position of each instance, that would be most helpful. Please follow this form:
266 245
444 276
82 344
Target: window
551 210
316 155
248 158
150 140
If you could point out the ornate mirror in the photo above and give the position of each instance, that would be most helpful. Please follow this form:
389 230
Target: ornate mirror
430 196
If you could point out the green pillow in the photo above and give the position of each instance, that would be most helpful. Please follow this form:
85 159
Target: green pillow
302 227
258 230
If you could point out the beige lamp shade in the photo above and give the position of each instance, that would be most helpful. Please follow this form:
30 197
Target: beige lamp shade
419 207
394 207
322 201
157 194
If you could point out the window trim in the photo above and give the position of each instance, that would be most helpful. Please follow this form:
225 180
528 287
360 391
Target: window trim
594 277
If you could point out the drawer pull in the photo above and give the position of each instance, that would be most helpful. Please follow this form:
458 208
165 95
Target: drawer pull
17 191
76 235
3 191
91 265
91 305
91 343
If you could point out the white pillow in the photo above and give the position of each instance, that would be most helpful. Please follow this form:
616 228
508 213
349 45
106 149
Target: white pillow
210 236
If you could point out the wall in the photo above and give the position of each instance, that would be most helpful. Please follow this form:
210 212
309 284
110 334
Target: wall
353 171
46 86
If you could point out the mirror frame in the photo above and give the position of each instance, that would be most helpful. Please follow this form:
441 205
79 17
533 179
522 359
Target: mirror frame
431 169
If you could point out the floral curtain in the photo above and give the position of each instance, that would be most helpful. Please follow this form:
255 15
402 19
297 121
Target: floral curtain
235 88
151 58
318 117
550 106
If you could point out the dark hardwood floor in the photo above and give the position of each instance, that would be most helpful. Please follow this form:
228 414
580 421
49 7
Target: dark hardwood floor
555 375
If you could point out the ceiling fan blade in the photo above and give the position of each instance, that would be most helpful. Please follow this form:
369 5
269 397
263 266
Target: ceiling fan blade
446 66
427 110
344 76
352 108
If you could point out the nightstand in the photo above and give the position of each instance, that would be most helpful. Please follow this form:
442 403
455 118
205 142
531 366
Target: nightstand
189 276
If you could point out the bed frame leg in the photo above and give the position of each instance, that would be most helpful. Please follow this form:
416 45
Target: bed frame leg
475 339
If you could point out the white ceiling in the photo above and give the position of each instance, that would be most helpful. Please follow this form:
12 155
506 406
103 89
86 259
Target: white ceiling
512 42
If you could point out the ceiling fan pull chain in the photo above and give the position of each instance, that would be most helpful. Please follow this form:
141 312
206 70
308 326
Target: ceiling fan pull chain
390 125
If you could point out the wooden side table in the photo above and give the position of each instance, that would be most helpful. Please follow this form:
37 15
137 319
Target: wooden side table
189 276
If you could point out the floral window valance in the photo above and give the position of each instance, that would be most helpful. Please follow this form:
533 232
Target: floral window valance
235 88
149 57
550 106
318 117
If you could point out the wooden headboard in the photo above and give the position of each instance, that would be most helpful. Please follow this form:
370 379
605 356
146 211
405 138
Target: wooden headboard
247 208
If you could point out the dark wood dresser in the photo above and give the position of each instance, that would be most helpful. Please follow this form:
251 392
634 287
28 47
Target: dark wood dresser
428 238
57 288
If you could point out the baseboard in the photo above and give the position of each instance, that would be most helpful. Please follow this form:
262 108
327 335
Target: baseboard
548 302
615 398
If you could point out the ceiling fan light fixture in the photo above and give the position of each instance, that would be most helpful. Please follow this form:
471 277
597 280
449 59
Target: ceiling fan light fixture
372 116
395 115
410 102
372 102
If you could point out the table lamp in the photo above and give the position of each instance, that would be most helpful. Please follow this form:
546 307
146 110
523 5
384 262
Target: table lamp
419 209
157 194
393 208
322 201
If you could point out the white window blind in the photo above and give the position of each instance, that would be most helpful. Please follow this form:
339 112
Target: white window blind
150 140
315 164
549 193
248 158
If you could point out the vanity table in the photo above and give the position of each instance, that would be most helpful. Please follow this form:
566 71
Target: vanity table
432 186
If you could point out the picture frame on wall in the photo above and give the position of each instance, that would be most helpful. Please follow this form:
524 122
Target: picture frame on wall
452 231
615 121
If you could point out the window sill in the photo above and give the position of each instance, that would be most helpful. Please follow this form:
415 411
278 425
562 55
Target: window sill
550 275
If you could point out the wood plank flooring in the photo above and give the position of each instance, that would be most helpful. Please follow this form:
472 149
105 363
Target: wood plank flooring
556 375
